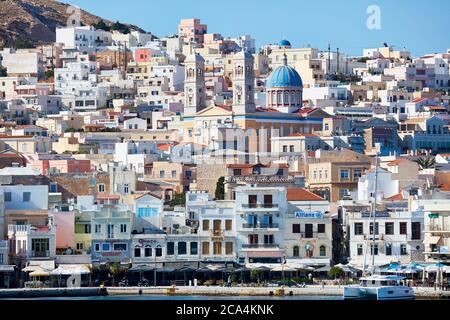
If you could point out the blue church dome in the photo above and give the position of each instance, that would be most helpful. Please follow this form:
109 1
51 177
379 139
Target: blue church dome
284 43
284 76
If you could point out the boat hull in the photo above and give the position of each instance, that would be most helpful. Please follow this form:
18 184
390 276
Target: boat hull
378 293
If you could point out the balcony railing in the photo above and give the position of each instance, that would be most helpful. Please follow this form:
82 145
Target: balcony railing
259 205
260 246
40 254
260 226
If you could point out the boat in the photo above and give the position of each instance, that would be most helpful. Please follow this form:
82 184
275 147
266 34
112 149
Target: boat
379 287
375 286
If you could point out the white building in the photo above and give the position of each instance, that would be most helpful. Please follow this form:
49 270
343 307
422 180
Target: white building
21 197
135 124
84 38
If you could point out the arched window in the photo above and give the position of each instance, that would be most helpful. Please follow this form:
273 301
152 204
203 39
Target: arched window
274 98
148 251
296 251
323 251
286 98
293 102
279 98
137 251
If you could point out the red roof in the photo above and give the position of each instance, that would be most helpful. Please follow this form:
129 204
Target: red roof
224 107
239 165
444 187
397 197
416 100
301 194
266 110
107 197
396 162
164 147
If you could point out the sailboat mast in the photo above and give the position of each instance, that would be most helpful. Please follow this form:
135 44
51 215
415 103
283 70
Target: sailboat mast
374 213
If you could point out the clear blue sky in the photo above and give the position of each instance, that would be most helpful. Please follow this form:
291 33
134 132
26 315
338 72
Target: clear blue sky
421 26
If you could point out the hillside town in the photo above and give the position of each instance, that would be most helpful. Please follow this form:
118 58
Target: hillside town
161 158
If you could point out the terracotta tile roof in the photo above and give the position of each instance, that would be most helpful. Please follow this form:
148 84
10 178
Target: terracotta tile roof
396 162
396 197
239 166
101 196
416 100
164 147
444 187
266 110
224 107
301 194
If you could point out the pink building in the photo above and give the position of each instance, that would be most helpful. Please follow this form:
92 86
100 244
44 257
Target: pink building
143 55
192 30
65 230
61 166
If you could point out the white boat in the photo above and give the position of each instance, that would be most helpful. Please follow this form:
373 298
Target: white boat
379 287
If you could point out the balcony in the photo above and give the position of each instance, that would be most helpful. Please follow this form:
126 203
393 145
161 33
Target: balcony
40 254
262 226
260 246
260 207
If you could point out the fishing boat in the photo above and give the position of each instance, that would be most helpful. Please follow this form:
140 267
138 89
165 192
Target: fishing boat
375 286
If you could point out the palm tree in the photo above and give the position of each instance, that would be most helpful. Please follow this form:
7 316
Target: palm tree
116 270
425 163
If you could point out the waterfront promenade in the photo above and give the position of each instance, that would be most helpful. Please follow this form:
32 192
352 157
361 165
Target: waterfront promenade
311 290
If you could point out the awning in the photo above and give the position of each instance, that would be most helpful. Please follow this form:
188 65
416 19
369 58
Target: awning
48 265
432 240
6 268
141 268
39 273
69 269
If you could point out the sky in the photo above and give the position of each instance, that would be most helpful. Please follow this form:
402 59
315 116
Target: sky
420 26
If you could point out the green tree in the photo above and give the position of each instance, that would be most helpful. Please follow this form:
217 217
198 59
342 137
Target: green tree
23 44
336 272
220 189
116 271
49 74
426 163
70 130
256 275
101 25
178 200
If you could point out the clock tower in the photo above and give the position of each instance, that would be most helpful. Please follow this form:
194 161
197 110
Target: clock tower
194 85
243 83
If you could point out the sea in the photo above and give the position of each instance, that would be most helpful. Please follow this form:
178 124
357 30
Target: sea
186 298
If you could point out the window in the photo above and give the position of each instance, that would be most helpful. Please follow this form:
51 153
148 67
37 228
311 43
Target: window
162 174
106 247
323 251
296 228
120 247
98 228
309 231
205 225
126 188
358 228
321 228
101 187
371 228
53 187
194 248
182 247
137 252
343 193
174 174
389 228
97 247
26 196
217 248
359 249
205 248
285 148
357 173
158 251
228 225
170 248
388 249
79 245
123 228
403 251
87 228
403 228
148 251
415 231
374 249
344 174
7 196
228 248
